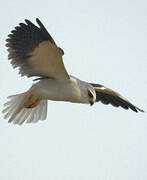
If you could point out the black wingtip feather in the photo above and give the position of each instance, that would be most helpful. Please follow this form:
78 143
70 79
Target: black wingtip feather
28 22
45 31
139 110
39 22
23 39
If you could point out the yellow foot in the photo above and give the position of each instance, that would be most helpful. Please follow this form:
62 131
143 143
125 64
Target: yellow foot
32 102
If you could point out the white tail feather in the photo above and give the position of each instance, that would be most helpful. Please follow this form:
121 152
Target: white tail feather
18 114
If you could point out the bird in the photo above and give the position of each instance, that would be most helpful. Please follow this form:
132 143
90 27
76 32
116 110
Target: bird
34 52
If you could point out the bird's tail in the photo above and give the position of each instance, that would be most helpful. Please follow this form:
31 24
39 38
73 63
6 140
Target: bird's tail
25 107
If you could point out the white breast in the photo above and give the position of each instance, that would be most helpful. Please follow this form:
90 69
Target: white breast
72 90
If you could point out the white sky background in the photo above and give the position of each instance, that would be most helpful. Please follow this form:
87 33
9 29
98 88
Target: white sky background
104 42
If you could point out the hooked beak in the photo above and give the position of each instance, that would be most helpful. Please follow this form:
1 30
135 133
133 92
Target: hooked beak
91 103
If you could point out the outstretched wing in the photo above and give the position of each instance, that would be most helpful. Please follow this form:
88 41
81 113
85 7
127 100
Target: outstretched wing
108 96
34 52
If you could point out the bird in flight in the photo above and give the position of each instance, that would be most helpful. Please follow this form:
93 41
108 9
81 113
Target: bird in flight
32 49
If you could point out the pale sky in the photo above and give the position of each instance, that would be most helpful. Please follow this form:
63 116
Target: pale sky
104 42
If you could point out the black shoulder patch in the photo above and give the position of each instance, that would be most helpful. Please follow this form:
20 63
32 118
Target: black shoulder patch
96 85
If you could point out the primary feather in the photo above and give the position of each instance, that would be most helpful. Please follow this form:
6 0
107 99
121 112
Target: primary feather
34 52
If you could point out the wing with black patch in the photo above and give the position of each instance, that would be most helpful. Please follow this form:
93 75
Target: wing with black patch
108 96
34 51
